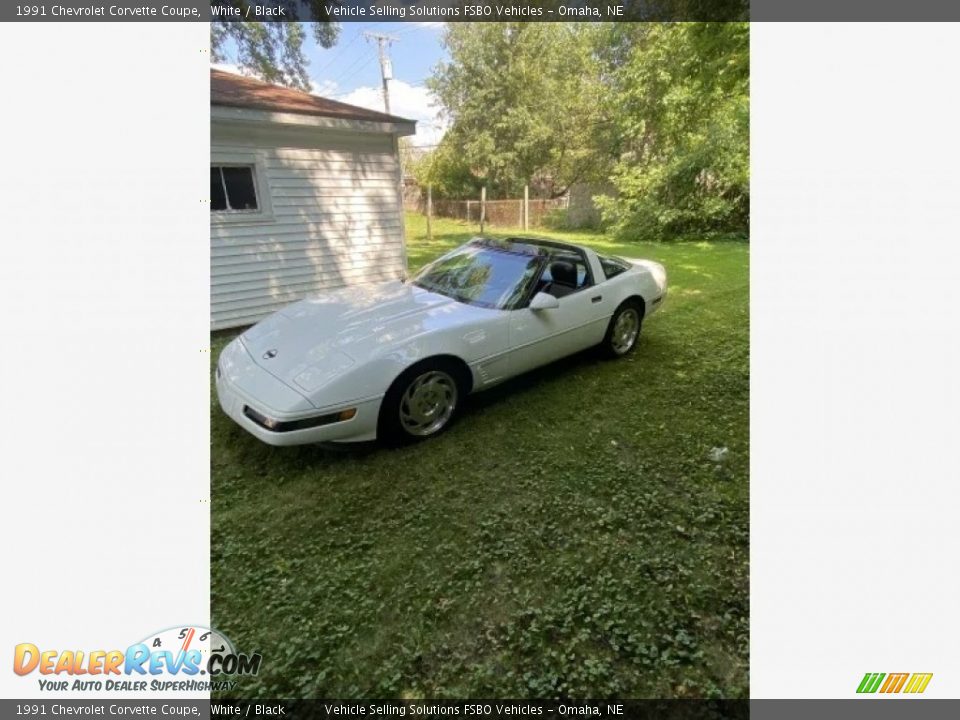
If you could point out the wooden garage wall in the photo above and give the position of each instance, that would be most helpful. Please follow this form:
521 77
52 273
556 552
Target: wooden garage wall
334 219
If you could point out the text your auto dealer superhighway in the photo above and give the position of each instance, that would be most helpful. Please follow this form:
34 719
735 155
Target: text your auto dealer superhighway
121 11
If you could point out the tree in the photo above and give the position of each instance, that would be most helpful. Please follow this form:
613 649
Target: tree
679 98
446 169
660 111
523 100
273 51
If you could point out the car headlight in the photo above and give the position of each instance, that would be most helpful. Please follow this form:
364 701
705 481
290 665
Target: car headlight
289 425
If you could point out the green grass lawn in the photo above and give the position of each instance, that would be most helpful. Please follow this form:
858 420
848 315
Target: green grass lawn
569 536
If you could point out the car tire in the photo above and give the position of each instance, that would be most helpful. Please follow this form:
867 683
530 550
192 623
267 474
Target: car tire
623 332
422 402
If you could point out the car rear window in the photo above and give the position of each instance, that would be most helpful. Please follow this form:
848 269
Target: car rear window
613 266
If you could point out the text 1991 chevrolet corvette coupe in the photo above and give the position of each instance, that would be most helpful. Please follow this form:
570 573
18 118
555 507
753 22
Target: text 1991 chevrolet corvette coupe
395 361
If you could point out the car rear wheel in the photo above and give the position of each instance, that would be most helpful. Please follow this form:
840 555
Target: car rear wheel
422 402
624 329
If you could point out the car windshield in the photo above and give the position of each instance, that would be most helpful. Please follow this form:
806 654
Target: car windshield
481 274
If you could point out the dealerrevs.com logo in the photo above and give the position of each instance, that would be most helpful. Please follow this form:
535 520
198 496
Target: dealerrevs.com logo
185 658
892 683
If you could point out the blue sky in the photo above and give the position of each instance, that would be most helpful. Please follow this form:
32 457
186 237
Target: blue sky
350 71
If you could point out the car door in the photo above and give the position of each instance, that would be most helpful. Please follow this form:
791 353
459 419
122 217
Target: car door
538 337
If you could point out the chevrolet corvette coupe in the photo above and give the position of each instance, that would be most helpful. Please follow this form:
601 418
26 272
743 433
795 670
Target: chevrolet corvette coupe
395 361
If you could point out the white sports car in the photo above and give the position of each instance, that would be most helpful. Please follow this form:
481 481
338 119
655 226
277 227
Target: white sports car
394 361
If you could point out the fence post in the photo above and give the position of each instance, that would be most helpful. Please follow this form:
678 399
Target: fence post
429 211
526 207
483 207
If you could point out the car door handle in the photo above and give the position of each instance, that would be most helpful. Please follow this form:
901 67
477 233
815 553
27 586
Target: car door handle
596 298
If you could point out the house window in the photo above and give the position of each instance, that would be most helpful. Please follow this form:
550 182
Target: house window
233 188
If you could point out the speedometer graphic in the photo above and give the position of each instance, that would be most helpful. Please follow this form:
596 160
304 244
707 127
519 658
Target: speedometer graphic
197 649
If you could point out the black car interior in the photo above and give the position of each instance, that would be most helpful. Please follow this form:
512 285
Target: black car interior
564 279
563 276
564 270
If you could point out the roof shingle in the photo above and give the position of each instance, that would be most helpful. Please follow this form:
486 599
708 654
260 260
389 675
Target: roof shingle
245 92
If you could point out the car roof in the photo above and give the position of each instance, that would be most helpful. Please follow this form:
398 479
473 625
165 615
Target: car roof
527 245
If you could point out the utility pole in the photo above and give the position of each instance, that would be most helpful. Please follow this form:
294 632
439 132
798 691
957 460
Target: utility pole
386 68
526 207
429 211
483 207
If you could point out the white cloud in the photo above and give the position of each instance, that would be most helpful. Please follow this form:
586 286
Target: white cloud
324 88
413 102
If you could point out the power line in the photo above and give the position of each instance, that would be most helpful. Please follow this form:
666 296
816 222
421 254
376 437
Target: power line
360 63
343 49
414 28
339 55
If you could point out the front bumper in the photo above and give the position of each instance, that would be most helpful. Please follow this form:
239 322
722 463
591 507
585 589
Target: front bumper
237 382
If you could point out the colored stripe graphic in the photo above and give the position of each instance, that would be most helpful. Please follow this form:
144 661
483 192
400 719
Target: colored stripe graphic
918 682
894 682
870 682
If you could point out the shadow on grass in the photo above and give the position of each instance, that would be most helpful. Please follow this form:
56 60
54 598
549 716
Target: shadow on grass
558 373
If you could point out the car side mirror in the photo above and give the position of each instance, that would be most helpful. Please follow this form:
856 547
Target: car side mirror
544 301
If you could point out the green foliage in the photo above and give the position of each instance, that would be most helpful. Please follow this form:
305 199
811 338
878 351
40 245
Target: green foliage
556 220
568 537
447 170
660 111
680 102
522 99
273 51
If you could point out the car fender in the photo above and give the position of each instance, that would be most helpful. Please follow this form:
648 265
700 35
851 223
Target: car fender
471 342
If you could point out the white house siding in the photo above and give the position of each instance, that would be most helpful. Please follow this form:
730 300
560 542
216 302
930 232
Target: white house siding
334 219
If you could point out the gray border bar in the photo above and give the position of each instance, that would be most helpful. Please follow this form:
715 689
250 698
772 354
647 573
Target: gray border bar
376 11
853 11
491 10
888 707
874 708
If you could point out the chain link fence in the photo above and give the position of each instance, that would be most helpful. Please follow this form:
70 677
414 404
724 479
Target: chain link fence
496 213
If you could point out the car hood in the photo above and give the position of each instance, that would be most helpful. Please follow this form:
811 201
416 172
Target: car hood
312 342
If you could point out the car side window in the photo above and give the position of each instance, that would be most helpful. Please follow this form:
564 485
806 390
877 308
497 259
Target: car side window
564 274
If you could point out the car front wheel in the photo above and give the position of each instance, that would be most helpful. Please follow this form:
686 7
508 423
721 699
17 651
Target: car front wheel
624 329
421 403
